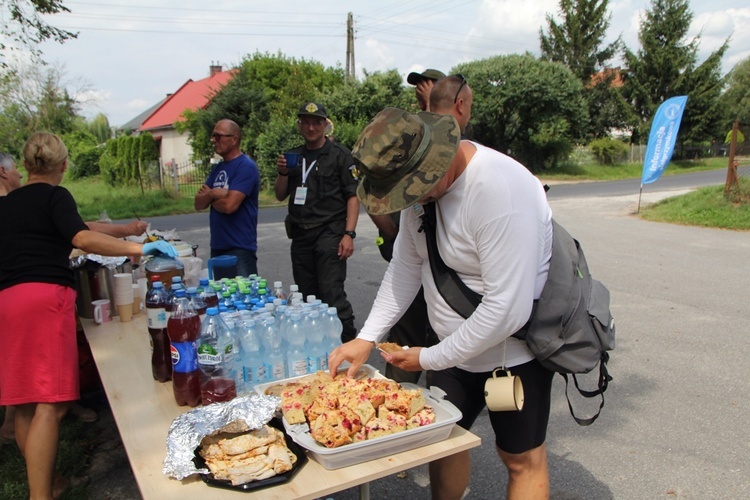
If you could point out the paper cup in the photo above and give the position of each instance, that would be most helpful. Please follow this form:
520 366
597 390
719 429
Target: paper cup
102 311
125 311
503 393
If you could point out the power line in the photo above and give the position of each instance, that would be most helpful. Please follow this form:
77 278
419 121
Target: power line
193 9
162 32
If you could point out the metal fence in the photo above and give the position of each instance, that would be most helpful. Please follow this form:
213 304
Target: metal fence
185 178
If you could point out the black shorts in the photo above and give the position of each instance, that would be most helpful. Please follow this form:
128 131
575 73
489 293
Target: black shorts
515 431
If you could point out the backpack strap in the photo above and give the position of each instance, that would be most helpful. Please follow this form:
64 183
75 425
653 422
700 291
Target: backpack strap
457 295
604 379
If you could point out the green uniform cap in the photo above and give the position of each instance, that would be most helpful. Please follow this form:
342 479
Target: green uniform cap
312 109
428 74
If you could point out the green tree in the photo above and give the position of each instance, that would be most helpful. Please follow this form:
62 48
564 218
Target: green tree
736 100
665 66
99 128
26 28
577 41
265 88
35 97
525 107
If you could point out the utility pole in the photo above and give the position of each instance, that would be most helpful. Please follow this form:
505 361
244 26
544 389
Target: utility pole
350 71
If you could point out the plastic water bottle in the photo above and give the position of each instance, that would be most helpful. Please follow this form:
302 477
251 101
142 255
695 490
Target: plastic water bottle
208 294
176 280
296 354
278 290
333 329
197 301
253 367
317 348
274 356
216 358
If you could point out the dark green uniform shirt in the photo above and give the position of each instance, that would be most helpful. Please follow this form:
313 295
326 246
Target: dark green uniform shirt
330 183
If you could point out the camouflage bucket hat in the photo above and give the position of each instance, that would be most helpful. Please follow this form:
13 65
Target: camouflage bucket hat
401 157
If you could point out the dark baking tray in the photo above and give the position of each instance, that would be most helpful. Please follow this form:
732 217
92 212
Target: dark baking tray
298 451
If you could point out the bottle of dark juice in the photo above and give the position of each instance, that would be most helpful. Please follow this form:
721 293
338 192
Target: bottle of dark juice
183 328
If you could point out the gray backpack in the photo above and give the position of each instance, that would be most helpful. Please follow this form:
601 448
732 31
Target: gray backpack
571 327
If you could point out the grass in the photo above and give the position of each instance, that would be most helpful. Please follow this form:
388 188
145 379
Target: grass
701 208
74 451
94 195
594 171
707 207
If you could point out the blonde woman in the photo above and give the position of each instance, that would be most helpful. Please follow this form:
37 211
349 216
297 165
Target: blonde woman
39 226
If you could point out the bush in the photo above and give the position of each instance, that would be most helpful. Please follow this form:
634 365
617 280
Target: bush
608 151
86 163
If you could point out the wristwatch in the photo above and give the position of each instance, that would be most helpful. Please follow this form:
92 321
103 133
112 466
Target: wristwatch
352 234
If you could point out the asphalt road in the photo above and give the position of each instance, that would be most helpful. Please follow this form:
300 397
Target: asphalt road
675 420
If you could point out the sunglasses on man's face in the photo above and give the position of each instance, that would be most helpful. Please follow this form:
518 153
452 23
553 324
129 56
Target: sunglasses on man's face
460 87
217 136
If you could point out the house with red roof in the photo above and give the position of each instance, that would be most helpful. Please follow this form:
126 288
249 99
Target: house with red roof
192 95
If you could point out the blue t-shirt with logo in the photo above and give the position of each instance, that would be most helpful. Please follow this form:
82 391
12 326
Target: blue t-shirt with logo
239 229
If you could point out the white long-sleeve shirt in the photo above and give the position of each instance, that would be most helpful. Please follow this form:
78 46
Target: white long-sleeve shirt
494 228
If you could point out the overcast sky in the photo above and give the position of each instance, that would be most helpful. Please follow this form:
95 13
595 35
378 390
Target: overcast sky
131 54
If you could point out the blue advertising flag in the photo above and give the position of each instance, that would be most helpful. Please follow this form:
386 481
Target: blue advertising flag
662 138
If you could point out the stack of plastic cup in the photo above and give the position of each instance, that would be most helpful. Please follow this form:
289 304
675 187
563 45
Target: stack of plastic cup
137 302
124 295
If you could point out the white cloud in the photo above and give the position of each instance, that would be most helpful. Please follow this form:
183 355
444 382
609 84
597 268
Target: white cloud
378 56
138 104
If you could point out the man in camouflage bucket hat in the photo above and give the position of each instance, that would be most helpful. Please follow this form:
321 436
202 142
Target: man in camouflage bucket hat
390 184
494 228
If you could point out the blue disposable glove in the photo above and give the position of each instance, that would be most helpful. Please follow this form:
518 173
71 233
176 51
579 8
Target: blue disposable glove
159 247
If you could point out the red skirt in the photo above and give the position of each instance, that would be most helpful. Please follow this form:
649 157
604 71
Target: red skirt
39 349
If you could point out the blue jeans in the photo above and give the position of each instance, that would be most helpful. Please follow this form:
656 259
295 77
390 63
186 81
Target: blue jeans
247 261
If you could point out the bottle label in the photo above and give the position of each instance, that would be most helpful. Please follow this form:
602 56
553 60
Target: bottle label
254 375
184 356
157 318
208 355
299 367
276 371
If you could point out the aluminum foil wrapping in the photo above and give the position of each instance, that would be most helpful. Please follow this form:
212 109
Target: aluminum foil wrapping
110 262
187 430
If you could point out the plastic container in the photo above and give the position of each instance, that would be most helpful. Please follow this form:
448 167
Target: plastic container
446 416
166 268
223 266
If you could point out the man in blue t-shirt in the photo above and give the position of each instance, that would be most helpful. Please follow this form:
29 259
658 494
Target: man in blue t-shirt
231 191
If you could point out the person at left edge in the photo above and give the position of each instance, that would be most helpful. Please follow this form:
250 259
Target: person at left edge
40 226
323 212
231 190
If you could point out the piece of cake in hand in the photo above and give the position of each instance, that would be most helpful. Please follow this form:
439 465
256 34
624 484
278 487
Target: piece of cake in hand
389 347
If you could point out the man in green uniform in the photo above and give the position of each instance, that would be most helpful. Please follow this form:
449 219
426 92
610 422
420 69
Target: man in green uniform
323 211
